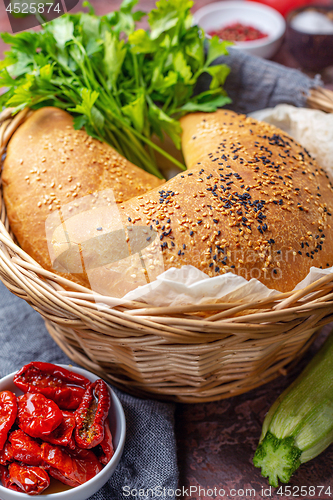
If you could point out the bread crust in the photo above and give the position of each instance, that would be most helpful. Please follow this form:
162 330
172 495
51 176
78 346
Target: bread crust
254 203
48 165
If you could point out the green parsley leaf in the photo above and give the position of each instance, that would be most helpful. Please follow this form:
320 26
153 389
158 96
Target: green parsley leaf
5 79
114 55
79 122
136 111
89 98
141 43
162 122
206 107
179 63
219 74
46 72
167 15
216 48
62 31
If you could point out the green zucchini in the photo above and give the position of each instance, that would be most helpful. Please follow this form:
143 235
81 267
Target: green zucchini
299 425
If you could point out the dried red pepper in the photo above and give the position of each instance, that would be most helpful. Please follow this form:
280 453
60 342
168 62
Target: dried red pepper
32 480
59 384
73 465
25 449
63 434
8 412
91 414
6 454
37 415
6 480
40 417
106 445
60 477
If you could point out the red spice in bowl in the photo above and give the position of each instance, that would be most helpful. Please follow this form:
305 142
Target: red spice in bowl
238 32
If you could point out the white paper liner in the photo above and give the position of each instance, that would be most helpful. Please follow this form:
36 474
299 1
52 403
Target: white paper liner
190 286
312 128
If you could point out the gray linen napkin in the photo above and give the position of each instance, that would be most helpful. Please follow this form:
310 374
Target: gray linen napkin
255 83
149 459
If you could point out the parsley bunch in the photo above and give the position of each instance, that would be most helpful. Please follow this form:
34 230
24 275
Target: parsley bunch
121 83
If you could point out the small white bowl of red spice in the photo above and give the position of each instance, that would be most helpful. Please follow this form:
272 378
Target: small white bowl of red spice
62 433
253 27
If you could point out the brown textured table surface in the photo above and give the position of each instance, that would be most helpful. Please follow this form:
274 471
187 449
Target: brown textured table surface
216 441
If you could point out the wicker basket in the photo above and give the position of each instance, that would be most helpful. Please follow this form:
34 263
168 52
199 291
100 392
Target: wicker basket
189 354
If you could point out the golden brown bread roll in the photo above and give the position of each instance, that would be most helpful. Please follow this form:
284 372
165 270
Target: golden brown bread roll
48 164
254 203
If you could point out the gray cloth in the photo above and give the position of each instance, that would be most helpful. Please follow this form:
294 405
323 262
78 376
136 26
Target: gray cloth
256 83
149 458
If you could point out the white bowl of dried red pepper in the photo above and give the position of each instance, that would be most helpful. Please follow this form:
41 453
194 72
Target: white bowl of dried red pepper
51 448
254 28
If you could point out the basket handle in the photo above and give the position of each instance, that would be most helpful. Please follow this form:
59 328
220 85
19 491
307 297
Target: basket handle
9 124
321 98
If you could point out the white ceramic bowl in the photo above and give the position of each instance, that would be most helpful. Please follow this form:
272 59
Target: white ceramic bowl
219 14
118 430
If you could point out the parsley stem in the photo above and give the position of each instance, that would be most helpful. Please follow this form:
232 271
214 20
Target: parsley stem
160 150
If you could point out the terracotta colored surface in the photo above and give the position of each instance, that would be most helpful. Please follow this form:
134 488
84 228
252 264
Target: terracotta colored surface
216 441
